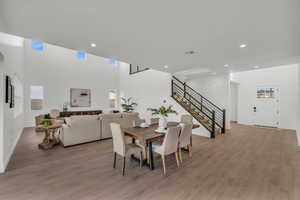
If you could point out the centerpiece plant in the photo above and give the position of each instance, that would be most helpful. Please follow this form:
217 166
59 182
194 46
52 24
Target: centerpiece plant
163 112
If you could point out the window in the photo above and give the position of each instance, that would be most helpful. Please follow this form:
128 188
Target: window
37 96
135 69
112 98
112 62
81 55
265 93
37 45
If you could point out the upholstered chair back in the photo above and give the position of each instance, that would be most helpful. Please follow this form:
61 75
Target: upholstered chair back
170 143
118 139
54 113
154 121
187 119
185 135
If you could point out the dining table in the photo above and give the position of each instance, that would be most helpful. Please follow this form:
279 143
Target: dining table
147 136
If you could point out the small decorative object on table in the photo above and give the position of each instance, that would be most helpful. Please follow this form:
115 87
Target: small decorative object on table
163 113
65 106
128 106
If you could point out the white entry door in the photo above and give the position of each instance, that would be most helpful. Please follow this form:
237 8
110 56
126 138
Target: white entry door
266 108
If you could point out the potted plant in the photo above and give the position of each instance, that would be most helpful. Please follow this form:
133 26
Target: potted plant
128 105
65 106
163 113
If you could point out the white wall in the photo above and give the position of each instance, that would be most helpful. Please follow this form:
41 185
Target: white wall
298 114
149 89
233 101
57 69
11 126
286 78
216 88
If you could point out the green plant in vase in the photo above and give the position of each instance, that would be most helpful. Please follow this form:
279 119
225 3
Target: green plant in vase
163 112
128 105
47 122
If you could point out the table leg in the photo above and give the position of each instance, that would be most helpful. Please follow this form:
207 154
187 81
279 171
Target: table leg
151 156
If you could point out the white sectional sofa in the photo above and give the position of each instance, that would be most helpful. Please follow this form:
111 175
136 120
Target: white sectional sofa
88 128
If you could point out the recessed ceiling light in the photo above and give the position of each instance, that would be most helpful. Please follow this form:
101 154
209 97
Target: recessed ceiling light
190 52
166 66
243 46
226 65
93 45
256 67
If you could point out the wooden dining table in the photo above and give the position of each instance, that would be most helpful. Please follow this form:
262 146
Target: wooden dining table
147 136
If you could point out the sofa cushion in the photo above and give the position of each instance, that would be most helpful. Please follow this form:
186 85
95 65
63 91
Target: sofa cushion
110 115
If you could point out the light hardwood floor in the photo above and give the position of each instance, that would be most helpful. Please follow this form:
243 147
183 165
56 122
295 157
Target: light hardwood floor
248 163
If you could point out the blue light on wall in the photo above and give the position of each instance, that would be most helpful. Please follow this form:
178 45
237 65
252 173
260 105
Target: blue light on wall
112 62
81 55
37 45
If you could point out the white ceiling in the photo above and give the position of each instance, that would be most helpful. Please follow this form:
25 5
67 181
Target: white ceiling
158 32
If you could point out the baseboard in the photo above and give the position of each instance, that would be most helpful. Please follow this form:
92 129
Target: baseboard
12 149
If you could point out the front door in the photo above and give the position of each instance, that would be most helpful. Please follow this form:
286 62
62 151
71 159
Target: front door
266 107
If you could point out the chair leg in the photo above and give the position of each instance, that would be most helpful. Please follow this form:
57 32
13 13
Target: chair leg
190 150
163 163
124 161
115 157
180 155
141 159
177 158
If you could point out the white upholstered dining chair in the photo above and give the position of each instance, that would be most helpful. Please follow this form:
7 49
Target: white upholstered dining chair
186 119
168 146
54 113
121 148
185 139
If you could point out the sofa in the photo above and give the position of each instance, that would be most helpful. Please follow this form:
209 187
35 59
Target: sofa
88 128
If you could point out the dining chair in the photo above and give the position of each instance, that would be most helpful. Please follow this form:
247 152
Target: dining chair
54 113
121 148
185 139
168 146
154 121
187 119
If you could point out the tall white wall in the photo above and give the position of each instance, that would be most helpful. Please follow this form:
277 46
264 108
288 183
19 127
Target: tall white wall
286 78
11 126
298 114
233 101
57 69
216 88
149 89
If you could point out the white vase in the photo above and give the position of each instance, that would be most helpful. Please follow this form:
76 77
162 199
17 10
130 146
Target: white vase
162 122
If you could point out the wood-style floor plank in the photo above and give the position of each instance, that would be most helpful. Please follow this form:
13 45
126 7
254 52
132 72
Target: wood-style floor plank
248 163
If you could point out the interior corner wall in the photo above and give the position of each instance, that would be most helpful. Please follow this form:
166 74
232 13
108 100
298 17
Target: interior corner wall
216 88
58 69
298 123
11 126
149 89
286 78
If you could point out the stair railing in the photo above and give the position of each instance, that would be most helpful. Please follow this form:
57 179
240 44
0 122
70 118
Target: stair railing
197 103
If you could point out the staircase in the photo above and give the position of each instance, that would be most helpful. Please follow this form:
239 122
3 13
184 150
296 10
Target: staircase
204 111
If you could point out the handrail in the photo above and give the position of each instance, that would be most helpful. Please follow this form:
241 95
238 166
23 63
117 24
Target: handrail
214 114
211 118
197 93
194 99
